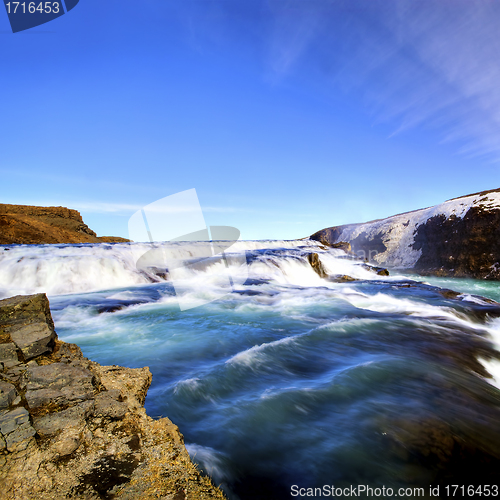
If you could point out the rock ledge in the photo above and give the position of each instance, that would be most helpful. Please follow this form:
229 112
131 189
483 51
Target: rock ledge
25 224
71 428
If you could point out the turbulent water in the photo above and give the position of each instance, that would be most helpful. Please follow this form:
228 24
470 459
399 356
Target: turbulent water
289 379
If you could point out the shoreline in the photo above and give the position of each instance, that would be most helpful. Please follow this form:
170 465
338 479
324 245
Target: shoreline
69 426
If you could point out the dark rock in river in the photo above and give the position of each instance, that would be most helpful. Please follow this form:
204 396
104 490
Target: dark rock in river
317 265
460 237
341 278
380 271
343 245
71 428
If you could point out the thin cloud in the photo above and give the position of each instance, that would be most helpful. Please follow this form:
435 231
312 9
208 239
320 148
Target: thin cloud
414 64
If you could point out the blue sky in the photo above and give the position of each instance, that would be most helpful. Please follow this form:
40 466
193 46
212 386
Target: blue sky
286 116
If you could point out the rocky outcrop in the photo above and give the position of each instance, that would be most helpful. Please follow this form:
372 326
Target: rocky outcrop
320 270
25 224
317 265
460 237
70 428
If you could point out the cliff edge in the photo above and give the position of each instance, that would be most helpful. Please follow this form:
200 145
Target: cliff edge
71 428
460 237
24 224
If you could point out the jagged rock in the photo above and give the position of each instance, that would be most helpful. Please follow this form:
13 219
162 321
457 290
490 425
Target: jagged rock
8 394
343 245
341 278
13 371
91 437
68 442
33 339
8 352
133 385
58 384
449 294
460 237
108 405
16 429
380 271
22 310
317 265
20 438
54 422
9 421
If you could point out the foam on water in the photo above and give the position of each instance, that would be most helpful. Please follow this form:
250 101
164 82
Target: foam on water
288 376
493 366
59 269
257 354
63 269
213 463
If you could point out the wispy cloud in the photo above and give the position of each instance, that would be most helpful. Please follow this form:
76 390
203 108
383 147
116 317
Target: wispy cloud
426 63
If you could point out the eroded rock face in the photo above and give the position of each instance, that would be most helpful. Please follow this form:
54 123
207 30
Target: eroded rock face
37 225
70 428
460 237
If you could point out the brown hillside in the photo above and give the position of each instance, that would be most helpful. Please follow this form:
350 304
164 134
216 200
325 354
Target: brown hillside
24 224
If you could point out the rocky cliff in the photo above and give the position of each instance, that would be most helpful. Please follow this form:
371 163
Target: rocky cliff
25 224
70 428
460 237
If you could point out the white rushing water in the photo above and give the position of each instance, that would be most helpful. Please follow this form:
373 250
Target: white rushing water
279 375
63 269
76 269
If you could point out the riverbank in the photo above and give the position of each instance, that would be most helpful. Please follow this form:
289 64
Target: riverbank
70 427
458 238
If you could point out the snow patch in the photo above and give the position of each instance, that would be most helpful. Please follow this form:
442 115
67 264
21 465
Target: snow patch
398 231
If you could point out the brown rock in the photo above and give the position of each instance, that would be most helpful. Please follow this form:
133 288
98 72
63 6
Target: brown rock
16 429
113 239
68 443
343 245
33 339
58 384
380 271
317 265
54 422
23 310
109 407
8 394
91 437
341 278
8 352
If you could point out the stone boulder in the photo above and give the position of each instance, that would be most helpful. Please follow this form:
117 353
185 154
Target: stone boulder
317 265
70 428
26 328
